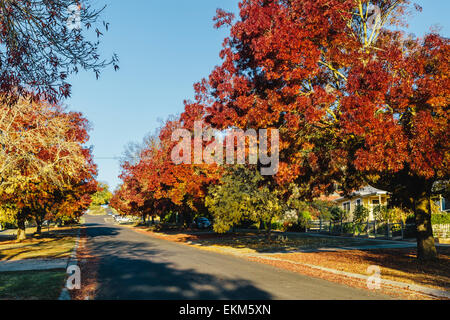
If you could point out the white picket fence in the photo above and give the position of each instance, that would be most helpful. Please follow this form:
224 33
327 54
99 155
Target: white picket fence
441 231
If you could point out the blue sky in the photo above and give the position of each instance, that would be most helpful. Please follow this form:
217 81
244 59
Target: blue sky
164 47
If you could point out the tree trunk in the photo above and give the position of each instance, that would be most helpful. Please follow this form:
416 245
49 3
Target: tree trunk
426 249
181 219
269 231
414 193
38 225
21 234
187 218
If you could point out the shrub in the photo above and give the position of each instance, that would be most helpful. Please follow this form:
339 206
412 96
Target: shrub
361 214
348 228
322 209
440 218
278 225
338 214
170 217
304 217
411 219
398 215
395 214
381 213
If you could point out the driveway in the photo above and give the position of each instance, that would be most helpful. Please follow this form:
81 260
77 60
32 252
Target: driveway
136 266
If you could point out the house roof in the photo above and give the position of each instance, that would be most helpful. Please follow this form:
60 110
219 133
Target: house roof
331 197
364 192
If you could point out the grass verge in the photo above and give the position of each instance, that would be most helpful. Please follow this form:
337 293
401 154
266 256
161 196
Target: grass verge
32 285
56 243
395 264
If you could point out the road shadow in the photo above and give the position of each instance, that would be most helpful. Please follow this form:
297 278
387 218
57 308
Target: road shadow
128 272
100 230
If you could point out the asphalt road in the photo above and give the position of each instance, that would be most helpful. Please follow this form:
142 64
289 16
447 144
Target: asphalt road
136 266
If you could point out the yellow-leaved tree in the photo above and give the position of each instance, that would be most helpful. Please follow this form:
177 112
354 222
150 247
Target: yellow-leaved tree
243 194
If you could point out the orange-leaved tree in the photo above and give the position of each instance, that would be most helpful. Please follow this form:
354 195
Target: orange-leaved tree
156 184
42 159
355 100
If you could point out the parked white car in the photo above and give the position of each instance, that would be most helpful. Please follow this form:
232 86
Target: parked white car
122 219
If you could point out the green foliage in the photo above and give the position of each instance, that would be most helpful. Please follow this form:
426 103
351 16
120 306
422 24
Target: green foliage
440 218
242 194
170 217
381 213
360 214
348 228
102 196
385 214
338 214
322 209
398 215
278 225
8 214
304 217
317 208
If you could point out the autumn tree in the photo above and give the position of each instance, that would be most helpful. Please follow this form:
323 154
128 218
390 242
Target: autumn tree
42 154
355 100
242 194
73 202
135 196
154 184
61 205
43 42
131 199
102 196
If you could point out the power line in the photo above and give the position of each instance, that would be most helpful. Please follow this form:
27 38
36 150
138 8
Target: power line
107 158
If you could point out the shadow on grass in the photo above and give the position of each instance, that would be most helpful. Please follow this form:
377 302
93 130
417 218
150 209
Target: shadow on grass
280 242
128 270
53 244
31 285
10 235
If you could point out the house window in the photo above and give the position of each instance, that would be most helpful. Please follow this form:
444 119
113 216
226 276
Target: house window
346 206
445 204
358 202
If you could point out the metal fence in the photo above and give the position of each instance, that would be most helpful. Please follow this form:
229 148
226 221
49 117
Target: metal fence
373 229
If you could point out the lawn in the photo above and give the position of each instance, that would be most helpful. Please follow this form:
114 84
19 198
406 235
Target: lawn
282 243
249 242
58 243
32 285
396 264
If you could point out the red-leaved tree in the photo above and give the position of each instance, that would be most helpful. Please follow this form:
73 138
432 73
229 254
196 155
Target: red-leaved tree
355 101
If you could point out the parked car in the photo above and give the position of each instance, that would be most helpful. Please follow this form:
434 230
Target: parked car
122 219
203 223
